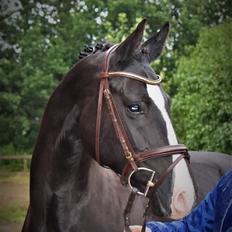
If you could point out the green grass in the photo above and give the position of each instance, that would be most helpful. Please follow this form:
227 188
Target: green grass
13 213
18 177
13 197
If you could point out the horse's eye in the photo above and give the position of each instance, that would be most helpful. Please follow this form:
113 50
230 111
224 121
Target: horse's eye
134 108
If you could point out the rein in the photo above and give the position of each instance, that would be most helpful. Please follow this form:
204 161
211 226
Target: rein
134 159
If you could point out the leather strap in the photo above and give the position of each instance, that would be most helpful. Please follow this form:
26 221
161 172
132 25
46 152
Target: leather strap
119 128
135 77
98 121
103 76
157 153
126 213
163 152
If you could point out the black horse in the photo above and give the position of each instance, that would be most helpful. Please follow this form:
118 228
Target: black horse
69 190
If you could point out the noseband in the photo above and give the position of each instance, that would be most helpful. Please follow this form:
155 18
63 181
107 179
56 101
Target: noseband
134 159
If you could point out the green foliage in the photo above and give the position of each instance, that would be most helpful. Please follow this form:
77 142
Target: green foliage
14 196
39 42
202 107
13 213
30 75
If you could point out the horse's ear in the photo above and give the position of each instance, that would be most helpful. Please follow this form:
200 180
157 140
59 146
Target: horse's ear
154 45
130 44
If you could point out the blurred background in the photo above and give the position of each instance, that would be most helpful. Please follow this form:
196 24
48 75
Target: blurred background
41 40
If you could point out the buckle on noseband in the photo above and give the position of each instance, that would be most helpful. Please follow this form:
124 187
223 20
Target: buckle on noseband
150 183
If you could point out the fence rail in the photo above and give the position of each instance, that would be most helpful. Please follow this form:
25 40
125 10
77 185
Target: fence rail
25 159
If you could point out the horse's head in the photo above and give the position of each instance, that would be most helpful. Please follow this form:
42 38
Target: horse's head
144 112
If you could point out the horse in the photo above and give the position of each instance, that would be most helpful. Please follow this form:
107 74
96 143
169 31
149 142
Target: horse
207 169
86 145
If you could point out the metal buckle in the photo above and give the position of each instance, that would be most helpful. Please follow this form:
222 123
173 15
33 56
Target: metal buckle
150 183
129 156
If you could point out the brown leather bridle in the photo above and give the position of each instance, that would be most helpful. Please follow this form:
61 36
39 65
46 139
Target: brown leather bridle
133 158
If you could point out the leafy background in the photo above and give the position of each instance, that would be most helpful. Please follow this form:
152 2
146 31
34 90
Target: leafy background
41 40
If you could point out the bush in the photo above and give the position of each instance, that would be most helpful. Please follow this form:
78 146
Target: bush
202 107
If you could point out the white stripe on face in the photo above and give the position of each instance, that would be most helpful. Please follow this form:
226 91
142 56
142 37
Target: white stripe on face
183 190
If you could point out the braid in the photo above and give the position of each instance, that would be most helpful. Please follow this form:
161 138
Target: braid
100 46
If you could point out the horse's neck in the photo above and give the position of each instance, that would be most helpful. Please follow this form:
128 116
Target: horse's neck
83 195
75 184
108 197
104 180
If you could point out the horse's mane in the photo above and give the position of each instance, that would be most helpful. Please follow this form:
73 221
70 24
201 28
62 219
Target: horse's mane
71 115
91 49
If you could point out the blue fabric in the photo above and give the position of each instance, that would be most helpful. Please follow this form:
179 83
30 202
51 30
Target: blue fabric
213 214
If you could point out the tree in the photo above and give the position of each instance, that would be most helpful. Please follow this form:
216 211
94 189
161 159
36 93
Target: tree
48 41
202 107
40 40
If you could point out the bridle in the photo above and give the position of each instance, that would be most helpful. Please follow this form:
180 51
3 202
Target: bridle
134 159
129 153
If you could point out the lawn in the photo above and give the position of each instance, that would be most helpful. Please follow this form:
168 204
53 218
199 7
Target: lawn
14 195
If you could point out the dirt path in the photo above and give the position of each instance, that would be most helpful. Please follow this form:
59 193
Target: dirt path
14 194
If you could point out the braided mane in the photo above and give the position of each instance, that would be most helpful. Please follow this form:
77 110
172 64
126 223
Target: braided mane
100 46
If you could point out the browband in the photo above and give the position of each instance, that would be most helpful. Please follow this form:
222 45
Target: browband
106 74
